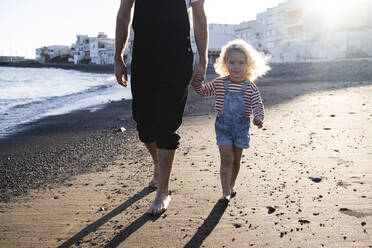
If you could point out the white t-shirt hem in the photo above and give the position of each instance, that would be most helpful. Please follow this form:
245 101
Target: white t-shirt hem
189 2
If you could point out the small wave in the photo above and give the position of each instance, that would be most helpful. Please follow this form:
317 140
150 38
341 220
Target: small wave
43 95
50 101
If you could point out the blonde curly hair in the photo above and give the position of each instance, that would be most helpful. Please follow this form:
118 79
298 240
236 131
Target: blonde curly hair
257 63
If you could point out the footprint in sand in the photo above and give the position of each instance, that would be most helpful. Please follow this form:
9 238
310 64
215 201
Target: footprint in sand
342 184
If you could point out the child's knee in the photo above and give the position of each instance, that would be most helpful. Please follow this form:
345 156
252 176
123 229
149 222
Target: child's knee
227 161
236 163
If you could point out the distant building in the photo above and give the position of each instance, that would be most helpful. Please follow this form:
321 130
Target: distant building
11 59
98 50
295 32
46 54
80 50
101 49
219 35
247 31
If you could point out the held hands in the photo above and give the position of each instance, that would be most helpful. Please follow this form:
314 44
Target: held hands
258 122
121 72
198 75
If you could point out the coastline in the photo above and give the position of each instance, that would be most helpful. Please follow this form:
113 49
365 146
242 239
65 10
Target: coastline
326 71
109 69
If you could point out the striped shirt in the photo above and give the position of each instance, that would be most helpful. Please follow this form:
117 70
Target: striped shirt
252 97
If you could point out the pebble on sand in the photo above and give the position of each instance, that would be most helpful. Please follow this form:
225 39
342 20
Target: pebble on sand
270 210
302 222
316 179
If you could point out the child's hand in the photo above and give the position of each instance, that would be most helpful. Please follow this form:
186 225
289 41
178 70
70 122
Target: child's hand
258 122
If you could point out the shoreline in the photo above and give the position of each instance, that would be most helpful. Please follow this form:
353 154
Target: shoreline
327 71
105 69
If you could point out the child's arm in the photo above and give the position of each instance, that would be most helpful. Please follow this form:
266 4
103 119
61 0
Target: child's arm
257 106
207 89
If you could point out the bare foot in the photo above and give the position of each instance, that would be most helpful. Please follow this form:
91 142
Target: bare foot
233 192
153 183
225 198
159 205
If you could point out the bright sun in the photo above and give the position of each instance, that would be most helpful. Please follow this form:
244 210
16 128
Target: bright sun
330 12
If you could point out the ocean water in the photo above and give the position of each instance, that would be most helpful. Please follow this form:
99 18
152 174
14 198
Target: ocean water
28 94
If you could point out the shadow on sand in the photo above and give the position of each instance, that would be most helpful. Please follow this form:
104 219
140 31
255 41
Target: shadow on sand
125 233
209 224
134 226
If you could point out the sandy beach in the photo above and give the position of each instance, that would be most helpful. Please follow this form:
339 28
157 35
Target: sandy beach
75 181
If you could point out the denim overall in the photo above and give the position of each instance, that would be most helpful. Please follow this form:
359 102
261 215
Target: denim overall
232 123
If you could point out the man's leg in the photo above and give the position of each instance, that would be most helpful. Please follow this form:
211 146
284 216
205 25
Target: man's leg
151 147
163 198
143 110
171 101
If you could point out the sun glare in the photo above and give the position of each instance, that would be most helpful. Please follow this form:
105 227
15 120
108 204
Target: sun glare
331 13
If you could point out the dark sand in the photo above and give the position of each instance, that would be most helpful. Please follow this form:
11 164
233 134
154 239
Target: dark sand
72 180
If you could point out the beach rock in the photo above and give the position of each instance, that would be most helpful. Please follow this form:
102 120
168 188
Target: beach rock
270 210
303 222
121 130
237 225
316 179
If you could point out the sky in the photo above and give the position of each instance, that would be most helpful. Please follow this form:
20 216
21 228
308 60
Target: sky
29 24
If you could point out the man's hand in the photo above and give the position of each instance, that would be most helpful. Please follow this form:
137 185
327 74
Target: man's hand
198 75
121 35
201 39
258 122
121 72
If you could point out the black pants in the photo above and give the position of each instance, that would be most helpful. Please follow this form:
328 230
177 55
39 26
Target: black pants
161 69
158 111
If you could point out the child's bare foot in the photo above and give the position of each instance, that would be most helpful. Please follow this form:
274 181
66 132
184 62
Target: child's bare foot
225 198
233 192
159 205
153 183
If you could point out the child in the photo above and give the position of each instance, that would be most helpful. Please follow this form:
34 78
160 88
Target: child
236 96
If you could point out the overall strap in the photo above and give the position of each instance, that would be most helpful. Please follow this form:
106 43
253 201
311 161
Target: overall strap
245 85
225 82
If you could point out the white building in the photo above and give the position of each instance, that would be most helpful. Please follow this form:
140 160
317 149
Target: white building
247 31
219 35
98 50
45 54
81 49
101 49
301 31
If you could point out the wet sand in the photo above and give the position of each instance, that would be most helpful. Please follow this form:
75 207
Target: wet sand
305 182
